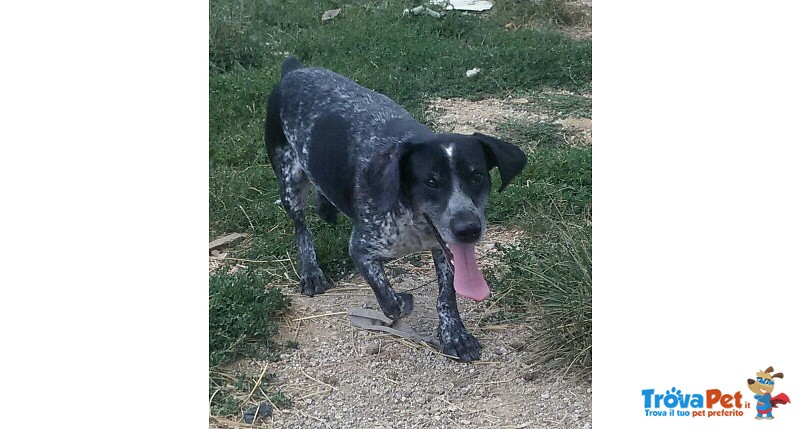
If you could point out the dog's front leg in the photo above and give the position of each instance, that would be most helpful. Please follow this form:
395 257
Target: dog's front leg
455 339
394 305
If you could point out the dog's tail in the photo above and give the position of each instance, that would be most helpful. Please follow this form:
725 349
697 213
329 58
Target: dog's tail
290 64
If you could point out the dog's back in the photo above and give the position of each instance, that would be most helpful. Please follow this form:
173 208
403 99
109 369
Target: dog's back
346 123
311 94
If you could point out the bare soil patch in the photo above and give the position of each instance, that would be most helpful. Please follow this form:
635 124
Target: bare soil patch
457 115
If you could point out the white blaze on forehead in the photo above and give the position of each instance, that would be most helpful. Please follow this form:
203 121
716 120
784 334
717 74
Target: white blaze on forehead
449 151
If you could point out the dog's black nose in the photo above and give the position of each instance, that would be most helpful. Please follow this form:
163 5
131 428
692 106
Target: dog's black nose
466 227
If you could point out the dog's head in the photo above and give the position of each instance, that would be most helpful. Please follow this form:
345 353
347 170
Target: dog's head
764 382
446 177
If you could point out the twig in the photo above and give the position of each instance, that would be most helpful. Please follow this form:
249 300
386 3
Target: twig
454 405
258 383
210 400
580 354
314 379
313 394
247 260
319 315
505 404
389 379
248 217
493 382
270 402
337 290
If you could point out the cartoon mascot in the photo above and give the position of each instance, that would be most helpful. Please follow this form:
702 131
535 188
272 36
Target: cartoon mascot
763 386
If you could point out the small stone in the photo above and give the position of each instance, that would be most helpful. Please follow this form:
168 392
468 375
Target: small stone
257 412
518 345
330 379
545 396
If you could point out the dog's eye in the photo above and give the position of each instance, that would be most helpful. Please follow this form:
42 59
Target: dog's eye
432 183
476 177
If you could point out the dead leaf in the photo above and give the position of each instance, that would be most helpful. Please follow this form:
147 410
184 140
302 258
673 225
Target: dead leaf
330 14
374 320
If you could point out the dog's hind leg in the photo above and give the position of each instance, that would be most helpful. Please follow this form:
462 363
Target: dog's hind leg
294 187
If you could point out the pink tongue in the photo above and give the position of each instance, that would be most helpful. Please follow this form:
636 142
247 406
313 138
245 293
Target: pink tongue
468 280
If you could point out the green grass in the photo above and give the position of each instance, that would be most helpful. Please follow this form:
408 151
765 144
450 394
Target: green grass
241 312
241 323
410 59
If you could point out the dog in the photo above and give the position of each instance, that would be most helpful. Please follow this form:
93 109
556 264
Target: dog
763 386
406 188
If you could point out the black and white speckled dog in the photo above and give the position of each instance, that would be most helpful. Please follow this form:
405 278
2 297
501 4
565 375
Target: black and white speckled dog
405 187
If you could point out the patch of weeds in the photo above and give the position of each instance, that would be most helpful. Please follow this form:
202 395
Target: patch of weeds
550 273
241 315
232 393
241 324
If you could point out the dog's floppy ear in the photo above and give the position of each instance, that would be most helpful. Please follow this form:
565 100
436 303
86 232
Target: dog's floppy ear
508 158
777 375
383 176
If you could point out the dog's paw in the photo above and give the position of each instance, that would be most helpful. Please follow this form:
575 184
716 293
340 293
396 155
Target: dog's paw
461 344
401 306
313 283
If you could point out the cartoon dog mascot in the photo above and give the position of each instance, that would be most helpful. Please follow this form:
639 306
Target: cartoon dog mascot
763 386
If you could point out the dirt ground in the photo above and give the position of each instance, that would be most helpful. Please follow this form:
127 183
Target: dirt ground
344 377
340 376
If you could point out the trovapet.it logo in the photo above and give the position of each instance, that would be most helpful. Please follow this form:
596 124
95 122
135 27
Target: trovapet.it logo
716 403
711 403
